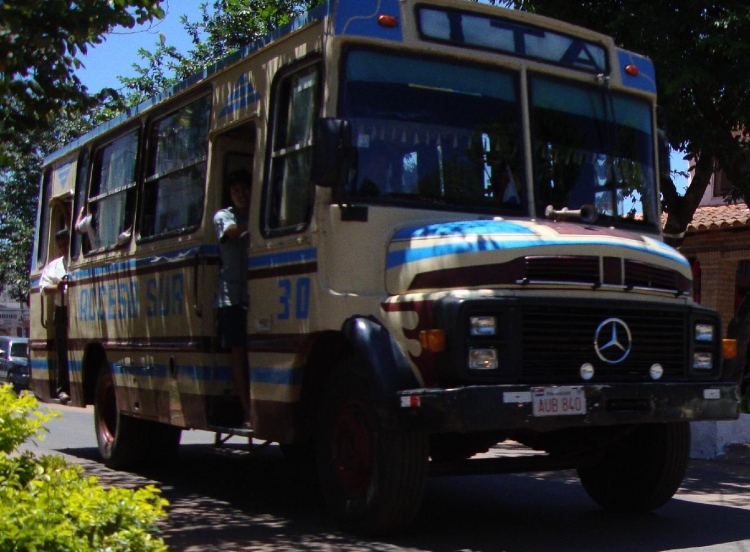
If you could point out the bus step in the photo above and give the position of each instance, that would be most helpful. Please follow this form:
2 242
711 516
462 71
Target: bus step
224 433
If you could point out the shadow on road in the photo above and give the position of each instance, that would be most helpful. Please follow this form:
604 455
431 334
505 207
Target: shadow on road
236 502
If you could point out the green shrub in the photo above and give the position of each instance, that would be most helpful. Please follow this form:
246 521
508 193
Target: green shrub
47 504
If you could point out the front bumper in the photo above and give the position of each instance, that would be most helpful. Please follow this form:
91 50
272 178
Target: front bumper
509 407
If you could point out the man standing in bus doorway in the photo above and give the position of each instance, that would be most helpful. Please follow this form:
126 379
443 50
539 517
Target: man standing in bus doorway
231 295
53 281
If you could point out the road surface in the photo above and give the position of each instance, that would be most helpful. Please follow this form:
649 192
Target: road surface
232 500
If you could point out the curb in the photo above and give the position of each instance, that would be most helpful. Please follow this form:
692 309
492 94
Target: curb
736 454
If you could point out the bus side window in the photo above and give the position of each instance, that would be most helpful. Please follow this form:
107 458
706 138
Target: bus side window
77 240
113 190
44 220
176 172
289 193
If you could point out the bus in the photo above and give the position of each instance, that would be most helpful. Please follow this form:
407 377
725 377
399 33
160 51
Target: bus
454 241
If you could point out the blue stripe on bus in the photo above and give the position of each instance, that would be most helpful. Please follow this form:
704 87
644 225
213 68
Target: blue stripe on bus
462 228
276 259
259 374
405 256
279 376
139 263
43 365
260 261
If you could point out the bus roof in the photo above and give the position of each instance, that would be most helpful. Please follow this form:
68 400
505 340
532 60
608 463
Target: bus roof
316 14
356 18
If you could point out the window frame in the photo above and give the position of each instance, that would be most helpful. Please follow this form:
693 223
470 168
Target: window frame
83 177
149 156
619 221
94 176
272 153
513 74
45 217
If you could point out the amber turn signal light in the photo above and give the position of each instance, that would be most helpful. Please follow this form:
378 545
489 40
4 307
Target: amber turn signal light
432 340
729 348
388 21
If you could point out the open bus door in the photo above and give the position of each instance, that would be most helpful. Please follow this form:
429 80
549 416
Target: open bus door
54 303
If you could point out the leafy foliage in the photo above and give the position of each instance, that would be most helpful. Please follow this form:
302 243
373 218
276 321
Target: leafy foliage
39 42
224 27
43 104
702 59
48 505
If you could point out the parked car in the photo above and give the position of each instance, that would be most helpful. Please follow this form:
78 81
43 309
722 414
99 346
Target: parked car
14 362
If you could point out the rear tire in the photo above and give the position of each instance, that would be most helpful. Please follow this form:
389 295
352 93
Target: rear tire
642 470
126 442
372 479
121 438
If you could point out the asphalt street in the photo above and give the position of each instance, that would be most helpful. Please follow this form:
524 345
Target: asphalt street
232 500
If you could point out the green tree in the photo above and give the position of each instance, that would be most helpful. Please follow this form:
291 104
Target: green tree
702 59
20 176
225 26
39 44
43 103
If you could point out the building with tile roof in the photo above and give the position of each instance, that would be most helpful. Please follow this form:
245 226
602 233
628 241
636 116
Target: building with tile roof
717 243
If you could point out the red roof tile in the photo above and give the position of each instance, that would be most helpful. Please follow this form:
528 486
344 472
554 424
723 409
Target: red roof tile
715 217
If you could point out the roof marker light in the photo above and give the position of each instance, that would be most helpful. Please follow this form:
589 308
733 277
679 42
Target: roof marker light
388 21
632 70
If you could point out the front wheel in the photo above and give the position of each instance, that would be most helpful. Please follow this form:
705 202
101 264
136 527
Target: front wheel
372 479
640 471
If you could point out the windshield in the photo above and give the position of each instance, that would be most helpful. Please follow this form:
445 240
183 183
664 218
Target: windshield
18 350
433 133
592 147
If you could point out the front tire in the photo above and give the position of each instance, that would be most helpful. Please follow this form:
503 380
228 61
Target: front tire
642 470
372 479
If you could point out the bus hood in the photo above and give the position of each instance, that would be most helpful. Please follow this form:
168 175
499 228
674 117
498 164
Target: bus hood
501 253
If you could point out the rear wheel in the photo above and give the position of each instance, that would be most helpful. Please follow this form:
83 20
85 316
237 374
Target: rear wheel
127 442
372 479
640 471
120 438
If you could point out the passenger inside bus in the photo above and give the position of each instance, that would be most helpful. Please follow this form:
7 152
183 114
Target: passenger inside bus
85 226
53 282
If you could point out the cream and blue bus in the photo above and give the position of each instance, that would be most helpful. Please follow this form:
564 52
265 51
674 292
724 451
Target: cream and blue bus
454 241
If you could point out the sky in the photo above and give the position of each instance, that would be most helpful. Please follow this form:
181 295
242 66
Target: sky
116 55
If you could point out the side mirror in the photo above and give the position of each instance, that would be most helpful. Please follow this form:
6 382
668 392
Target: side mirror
332 152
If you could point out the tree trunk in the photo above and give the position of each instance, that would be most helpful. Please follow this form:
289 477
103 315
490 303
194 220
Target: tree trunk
680 209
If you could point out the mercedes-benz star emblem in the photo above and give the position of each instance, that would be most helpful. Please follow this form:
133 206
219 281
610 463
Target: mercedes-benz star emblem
612 341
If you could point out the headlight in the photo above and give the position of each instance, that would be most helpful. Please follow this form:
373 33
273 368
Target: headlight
704 332
703 361
483 359
482 325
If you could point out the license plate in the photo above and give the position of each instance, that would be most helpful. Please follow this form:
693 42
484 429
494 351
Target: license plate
559 401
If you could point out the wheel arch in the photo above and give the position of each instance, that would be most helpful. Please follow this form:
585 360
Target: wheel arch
380 359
